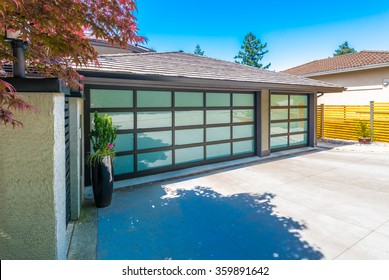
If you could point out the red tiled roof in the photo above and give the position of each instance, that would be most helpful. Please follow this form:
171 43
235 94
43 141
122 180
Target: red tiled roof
346 61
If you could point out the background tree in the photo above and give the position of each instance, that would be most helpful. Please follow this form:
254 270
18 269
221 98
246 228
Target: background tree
55 32
344 49
198 50
252 52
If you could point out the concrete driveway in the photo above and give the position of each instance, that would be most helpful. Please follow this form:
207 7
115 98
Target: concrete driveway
316 205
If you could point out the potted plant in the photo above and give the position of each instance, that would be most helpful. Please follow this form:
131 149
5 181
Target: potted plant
363 133
102 137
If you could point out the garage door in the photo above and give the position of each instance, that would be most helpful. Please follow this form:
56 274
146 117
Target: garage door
160 131
289 121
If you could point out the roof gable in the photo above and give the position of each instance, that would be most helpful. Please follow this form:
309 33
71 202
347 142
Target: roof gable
342 63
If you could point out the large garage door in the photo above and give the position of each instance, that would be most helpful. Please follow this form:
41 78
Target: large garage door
289 121
165 130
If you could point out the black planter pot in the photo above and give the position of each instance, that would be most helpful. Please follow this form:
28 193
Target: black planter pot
102 182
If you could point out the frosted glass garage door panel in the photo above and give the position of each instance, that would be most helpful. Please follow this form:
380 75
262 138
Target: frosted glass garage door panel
241 116
189 136
279 100
154 160
219 150
185 118
107 98
243 131
151 99
123 164
243 99
279 142
298 126
218 133
157 139
298 113
189 155
218 100
154 119
279 114
298 100
278 128
124 142
218 116
298 139
189 99
243 147
121 121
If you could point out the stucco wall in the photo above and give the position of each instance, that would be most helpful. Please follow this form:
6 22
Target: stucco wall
32 193
362 87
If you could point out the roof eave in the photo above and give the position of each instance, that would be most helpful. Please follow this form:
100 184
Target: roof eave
160 81
344 70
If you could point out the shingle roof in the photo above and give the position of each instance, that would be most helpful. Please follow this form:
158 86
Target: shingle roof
179 64
337 63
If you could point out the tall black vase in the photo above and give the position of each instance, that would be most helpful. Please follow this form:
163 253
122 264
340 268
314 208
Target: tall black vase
102 182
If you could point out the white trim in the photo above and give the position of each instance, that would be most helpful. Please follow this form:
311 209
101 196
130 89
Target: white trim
352 69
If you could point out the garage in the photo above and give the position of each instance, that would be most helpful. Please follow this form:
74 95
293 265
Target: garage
160 130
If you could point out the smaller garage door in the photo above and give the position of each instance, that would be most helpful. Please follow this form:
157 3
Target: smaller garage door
289 121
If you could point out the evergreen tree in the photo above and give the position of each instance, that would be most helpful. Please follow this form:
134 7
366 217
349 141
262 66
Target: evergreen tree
252 52
198 50
344 49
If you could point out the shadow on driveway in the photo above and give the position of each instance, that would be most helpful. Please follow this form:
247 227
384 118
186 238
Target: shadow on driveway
149 224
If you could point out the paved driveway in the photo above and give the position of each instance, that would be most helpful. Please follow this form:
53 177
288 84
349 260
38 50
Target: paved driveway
317 205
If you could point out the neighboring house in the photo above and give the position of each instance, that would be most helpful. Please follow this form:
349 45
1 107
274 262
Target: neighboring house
102 47
365 74
176 110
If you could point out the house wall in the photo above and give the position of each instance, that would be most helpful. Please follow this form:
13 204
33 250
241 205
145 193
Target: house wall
362 87
32 192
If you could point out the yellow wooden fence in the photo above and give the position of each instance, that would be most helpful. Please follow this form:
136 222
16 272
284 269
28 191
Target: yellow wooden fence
341 122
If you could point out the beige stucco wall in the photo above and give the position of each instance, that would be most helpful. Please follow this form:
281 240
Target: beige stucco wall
32 180
362 87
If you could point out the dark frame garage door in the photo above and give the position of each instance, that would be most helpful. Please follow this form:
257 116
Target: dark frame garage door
289 120
162 130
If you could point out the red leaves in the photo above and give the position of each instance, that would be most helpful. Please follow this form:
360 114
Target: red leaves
10 101
55 31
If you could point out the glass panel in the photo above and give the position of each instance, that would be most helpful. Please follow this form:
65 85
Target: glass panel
218 99
278 128
148 140
189 136
243 99
183 118
123 164
299 100
298 126
218 133
219 150
298 113
278 142
243 116
107 98
298 139
152 99
189 99
123 120
279 114
243 131
154 160
124 142
189 155
243 147
279 100
154 119
218 116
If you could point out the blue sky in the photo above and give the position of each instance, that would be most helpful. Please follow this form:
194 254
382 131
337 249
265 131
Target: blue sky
296 31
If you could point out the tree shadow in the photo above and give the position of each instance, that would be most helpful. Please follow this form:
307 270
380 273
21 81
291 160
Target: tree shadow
145 223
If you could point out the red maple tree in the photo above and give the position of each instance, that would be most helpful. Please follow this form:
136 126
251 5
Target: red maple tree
55 32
